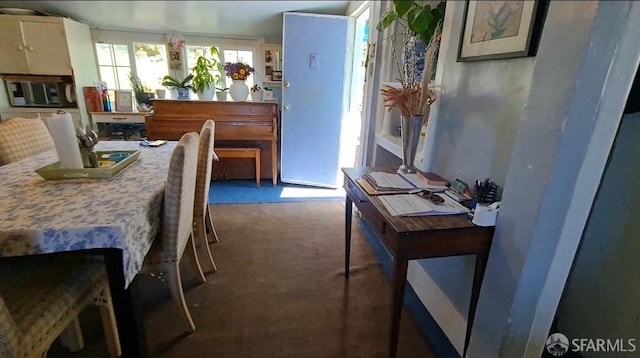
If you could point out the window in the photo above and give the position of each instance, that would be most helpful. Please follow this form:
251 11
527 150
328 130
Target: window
151 64
240 56
114 65
193 52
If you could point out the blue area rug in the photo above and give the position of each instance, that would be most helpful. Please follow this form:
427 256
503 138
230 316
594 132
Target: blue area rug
246 192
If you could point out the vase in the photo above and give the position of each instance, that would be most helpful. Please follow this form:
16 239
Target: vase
413 54
239 90
207 94
410 128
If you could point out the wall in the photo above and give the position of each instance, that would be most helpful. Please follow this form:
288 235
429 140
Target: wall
601 296
542 128
586 62
471 132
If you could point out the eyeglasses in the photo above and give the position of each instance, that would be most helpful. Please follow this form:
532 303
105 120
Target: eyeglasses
431 196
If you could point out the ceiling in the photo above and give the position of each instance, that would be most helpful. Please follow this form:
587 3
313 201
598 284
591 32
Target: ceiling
213 18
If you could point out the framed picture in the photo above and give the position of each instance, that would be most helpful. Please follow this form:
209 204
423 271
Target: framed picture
175 60
124 101
276 76
501 29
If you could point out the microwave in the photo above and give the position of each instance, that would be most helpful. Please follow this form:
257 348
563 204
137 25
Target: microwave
41 91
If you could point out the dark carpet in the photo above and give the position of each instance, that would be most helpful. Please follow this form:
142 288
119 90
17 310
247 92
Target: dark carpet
279 292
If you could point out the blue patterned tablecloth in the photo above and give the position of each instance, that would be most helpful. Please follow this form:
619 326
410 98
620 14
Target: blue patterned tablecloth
40 216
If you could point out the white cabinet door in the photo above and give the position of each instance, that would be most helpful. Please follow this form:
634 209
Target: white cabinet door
37 48
12 56
46 48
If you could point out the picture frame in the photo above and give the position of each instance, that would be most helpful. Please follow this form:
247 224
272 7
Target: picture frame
124 101
276 76
501 29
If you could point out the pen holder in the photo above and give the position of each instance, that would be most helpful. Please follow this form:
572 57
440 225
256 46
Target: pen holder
484 215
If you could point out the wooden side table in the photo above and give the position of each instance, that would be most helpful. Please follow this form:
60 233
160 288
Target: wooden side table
412 238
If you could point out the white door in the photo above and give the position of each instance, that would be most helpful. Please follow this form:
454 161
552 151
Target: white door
313 97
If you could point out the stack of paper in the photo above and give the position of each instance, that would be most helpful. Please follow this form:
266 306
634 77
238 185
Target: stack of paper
414 205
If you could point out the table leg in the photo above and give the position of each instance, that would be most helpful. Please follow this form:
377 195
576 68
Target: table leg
481 264
131 336
348 209
274 163
399 282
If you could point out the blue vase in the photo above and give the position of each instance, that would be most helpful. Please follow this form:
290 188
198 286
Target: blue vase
414 57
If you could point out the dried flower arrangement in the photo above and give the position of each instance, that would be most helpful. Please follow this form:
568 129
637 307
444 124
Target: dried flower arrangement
413 99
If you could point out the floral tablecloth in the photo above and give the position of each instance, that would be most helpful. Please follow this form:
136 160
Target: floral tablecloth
40 216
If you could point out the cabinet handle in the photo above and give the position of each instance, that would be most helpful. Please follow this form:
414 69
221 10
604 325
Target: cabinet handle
30 48
20 48
118 118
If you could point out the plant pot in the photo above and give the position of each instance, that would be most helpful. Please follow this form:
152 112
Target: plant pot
256 96
144 97
239 90
221 96
161 94
207 94
183 93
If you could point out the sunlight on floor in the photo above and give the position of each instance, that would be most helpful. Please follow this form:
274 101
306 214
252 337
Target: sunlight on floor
311 192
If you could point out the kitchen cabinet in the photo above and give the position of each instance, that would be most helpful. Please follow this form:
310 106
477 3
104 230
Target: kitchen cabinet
48 45
33 47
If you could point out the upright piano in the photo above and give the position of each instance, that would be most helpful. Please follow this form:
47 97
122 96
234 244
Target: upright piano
238 124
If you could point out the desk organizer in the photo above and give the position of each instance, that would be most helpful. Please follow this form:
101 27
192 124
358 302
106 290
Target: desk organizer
111 163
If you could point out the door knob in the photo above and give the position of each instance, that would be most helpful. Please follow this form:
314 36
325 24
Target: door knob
286 84
286 107
30 48
20 48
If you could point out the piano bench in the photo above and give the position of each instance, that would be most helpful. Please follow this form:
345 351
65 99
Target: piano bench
242 153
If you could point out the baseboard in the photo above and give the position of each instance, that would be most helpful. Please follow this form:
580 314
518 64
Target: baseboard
422 289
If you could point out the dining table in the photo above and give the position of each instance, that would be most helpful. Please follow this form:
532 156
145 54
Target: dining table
117 218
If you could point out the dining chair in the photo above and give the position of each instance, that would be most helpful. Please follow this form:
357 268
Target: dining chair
23 137
41 297
176 232
201 215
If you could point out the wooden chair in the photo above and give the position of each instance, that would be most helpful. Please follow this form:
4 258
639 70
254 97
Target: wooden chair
41 297
176 233
23 137
201 214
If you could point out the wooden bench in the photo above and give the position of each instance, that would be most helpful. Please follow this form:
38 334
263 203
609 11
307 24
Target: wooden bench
242 153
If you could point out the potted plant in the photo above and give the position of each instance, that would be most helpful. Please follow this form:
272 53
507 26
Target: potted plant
221 94
256 93
142 93
203 78
181 87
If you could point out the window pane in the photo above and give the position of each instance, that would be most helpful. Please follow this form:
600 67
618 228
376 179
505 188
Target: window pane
193 52
151 64
239 56
123 77
104 54
121 53
107 75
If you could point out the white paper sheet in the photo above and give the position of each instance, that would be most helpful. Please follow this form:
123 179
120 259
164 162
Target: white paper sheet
413 205
390 180
64 137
